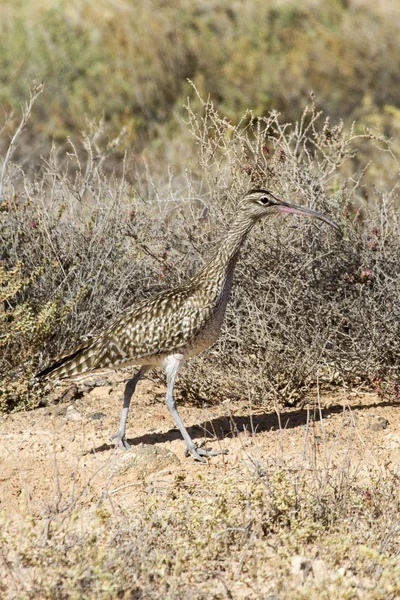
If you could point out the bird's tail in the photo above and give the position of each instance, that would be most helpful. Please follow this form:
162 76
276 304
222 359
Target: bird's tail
75 362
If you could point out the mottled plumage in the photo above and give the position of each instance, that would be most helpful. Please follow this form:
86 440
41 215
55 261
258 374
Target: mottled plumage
176 324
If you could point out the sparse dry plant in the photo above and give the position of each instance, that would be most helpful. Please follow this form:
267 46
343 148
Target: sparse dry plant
78 246
217 535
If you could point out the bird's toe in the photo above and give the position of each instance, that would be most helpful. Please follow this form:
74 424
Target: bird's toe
120 441
199 453
205 452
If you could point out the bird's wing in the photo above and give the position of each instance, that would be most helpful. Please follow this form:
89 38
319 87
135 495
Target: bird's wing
163 324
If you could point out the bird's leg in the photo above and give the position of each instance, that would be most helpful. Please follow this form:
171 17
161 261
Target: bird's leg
191 448
130 387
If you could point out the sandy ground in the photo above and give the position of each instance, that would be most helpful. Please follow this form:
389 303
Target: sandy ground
55 455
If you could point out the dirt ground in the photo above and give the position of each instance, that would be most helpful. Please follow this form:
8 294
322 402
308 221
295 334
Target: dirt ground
62 452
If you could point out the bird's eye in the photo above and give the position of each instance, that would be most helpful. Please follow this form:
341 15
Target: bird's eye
264 200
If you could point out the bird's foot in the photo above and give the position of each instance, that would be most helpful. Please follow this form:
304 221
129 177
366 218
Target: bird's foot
199 453
120 441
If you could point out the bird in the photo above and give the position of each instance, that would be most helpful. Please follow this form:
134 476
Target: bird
176 324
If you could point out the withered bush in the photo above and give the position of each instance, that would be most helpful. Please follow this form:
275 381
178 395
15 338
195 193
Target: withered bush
78 246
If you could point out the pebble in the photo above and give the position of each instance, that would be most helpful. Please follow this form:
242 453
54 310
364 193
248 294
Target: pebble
97 416
72 414
378 424
301 567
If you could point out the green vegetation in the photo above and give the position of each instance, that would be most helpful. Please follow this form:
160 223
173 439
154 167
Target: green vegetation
118 179
128 63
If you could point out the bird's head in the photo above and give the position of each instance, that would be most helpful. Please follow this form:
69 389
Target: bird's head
260 203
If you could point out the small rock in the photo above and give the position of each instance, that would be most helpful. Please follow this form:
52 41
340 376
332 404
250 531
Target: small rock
320 570
69 395
144 459
378 424
393 440
93 383
301 567
97 416
341 572
366 583
59 411
72 414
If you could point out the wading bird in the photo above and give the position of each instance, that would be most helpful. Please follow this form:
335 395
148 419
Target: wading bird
176 324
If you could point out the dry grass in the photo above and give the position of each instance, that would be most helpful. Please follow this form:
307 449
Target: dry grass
322 525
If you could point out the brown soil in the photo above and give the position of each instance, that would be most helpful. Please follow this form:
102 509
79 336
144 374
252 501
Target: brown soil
61 453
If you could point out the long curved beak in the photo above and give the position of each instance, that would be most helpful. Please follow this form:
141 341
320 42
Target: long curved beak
285 207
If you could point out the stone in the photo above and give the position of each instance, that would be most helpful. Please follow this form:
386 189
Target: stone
97 416
378 424
144 459
72 414
320 570
301 567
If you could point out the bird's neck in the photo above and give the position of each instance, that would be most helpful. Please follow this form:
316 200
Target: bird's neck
220 267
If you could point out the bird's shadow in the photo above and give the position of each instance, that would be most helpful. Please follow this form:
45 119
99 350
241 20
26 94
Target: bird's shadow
222 427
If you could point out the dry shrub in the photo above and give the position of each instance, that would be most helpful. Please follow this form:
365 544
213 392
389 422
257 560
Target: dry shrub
78 246
306 303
